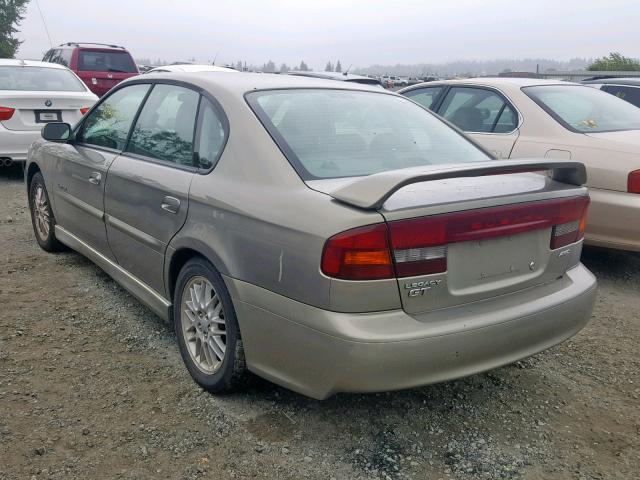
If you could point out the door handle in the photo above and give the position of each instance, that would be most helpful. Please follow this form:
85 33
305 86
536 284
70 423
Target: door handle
170 204
95 178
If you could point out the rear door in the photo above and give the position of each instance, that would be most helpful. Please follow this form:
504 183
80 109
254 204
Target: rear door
485 115
80 169
147 190
102 69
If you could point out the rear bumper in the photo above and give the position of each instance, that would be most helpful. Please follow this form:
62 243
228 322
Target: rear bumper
15 143
317 353
613 220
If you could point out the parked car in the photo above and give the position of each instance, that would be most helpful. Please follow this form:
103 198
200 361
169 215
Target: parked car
100 66
32 94
519 118
324 235
625 88
191 67
341 77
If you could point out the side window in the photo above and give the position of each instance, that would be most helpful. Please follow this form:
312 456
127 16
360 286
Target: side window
478 110
425 96
47 56
109 124
165 127
65 56
630 94
211 135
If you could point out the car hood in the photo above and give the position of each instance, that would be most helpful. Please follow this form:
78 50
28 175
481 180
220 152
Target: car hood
626 140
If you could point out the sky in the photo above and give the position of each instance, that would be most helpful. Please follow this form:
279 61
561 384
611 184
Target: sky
357 32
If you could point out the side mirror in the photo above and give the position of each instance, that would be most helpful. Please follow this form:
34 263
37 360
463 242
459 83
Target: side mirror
57 132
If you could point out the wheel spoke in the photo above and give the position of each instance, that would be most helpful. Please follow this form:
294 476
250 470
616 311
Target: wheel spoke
215 346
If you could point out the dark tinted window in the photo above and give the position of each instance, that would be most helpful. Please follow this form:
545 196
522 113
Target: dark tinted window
477 110
166 124
630 94
212 134
106 61
424 96
39 79
108 125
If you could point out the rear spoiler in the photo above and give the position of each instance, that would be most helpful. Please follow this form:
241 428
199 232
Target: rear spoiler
372 191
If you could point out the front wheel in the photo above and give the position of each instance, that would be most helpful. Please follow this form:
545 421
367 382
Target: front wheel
207 329
42 217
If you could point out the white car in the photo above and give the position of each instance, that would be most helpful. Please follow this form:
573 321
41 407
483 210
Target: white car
516 118
191 68
31 95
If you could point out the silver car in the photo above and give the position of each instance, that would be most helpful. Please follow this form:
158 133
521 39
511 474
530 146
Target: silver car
327 236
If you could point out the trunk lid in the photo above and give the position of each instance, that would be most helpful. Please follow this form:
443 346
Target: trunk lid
472 238
34 109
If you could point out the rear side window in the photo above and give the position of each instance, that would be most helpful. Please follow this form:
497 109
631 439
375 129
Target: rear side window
106 61
165 127
478 110
630 94
61 56
328 133
31 79
425 96
212 135
108 124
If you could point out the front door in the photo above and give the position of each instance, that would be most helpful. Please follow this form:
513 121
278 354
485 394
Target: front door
483 114
147 190
81 168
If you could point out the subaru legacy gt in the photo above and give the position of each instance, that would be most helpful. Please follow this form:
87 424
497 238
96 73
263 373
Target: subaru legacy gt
329 237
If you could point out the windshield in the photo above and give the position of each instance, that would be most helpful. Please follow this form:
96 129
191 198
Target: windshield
342 133
585 109
106 61
30 79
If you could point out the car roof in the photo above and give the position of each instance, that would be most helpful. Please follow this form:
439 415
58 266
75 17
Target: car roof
506 83
331 75
29 63
190 67
614 81
239 83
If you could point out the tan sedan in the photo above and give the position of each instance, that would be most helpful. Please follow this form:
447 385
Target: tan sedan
515 118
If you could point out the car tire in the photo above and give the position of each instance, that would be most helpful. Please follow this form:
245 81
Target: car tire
205 321
42 217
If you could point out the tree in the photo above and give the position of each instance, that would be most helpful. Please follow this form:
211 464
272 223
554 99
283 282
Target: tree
303 67
269 67
329 67
284 68
11 14
239 66
615 62
338 66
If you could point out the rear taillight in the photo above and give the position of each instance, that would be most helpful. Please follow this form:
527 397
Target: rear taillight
84 110
633 182
6 113
419 245
358 254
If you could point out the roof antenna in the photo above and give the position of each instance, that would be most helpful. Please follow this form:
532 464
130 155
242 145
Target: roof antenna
45 24
214 58
346 72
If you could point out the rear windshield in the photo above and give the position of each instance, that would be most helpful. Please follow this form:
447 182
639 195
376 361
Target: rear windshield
30 79
585 109
106 61
342 133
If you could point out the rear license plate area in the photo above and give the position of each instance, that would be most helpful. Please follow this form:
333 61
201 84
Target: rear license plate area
46 116
498 263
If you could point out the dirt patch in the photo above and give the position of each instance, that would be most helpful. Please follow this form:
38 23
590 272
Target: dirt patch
92 386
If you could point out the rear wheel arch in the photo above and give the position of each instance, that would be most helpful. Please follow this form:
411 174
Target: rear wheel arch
178 259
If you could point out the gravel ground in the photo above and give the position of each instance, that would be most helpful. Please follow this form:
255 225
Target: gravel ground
92 386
